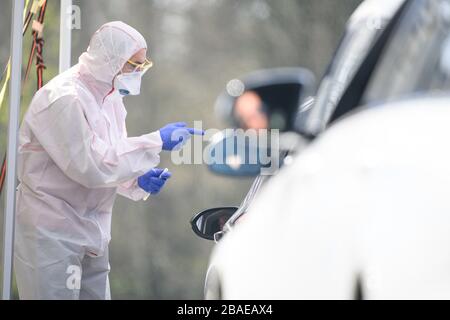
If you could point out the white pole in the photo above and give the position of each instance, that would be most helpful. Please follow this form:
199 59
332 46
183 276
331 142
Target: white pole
65 35
14 112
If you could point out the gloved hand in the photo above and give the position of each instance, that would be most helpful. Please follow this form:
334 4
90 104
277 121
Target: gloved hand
175 135
154 180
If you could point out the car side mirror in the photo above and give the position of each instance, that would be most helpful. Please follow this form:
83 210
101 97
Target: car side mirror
241 154
206 223
266 99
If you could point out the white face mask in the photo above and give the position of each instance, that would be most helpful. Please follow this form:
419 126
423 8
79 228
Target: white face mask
128 83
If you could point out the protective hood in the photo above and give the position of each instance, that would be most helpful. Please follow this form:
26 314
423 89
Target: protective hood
110 47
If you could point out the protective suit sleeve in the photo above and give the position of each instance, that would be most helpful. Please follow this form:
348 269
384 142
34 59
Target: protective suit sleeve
64 132
131 190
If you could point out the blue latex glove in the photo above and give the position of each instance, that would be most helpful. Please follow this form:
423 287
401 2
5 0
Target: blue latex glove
154 180
175 135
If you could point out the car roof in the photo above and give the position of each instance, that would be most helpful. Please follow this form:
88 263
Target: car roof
373 9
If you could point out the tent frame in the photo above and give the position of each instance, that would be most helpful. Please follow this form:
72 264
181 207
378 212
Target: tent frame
13 124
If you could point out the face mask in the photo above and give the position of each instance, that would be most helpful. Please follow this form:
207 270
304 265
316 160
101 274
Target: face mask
128 83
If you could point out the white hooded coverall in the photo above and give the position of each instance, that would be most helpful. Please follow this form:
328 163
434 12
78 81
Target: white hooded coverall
74 157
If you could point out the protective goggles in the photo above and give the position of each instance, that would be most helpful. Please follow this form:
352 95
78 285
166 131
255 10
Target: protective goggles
139 67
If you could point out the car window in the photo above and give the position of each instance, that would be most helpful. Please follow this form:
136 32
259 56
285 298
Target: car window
417 59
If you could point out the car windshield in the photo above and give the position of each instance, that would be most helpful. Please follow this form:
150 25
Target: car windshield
354 47
417 59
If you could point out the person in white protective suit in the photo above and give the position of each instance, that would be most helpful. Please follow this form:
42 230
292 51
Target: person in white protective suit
74 157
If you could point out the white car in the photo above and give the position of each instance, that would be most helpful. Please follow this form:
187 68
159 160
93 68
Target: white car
363 211
367 204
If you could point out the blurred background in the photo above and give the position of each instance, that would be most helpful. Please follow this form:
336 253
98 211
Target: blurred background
197 46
